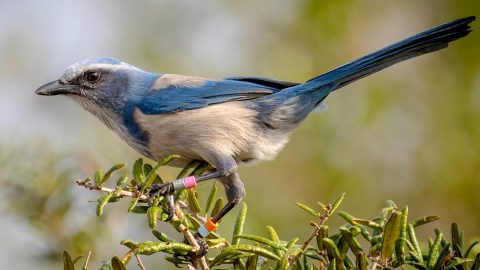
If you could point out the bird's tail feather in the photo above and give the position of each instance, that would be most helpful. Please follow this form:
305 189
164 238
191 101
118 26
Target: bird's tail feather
425 42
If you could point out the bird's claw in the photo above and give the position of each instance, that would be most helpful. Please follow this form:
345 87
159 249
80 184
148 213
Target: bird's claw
167 190
202 247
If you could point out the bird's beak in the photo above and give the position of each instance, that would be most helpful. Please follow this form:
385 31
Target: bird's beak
55 88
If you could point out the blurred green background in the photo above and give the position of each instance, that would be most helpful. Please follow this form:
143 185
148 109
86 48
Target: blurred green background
410 133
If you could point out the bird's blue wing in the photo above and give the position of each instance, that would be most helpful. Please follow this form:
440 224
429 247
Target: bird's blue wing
181 97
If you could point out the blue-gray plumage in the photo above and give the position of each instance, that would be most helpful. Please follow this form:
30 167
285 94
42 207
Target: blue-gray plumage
223 122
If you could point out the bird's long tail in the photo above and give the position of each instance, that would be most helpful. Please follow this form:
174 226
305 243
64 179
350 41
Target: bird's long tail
288 107
425 42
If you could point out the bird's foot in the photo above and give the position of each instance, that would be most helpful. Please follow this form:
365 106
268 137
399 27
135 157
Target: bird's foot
167 190
202 247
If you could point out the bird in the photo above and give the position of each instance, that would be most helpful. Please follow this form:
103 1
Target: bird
224 122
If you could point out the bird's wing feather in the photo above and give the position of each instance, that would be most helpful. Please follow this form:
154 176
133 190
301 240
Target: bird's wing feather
264 82
179 96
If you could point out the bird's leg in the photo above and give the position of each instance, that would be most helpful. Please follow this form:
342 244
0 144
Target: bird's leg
235 192
168 189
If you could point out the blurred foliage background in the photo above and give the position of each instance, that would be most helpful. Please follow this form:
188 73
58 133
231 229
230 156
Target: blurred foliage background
409 133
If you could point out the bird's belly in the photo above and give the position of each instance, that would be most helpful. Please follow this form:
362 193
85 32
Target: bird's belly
227 129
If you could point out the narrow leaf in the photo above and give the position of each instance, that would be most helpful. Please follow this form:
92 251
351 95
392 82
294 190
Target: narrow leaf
161 236
138 170
152 215
261 240
102 201
307 209
109 173
67 261
218 205
331 248
211 197
392 231
337 203
456 240
413 240
117 264
361 262
434 251
424 220
255 250
238 228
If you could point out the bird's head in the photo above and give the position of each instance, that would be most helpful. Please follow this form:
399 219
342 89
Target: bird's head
104 82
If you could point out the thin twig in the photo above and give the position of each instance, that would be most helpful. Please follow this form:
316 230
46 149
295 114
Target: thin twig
122 193
192 241
323 218
139 261
376 260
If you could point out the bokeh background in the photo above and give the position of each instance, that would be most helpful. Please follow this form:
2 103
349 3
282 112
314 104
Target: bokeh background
410 133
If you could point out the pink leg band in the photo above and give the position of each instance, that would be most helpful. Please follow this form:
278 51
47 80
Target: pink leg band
190 182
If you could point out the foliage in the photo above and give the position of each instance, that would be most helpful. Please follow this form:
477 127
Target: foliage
384 242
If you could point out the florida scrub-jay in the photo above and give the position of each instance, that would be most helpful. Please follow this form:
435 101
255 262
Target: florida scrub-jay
223 122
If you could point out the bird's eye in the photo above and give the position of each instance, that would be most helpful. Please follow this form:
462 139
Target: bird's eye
92 76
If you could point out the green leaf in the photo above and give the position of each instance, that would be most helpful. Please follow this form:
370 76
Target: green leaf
457 262
456 239
192 201
133 204
161 236
138 171
218 205
98 177
413 251
255 250
332 265
67 261
351 241
261 240
291 243
129 243
361 262
441 257
102 201
149 248
274 237
122 180
109 173
252 262
322 233
195 223
117 264
331 248
224 255
238 228
413 240
400 245
346 216
76 259
368 223
211 197
476 264
185 169
337 203
424 220
434 251
470 248
152 215
392 231
307 209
